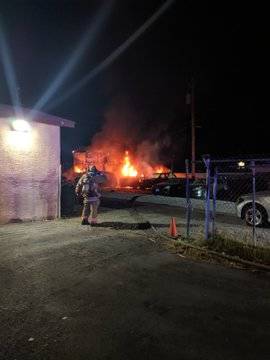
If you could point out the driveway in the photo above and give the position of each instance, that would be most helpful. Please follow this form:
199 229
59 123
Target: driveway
114 292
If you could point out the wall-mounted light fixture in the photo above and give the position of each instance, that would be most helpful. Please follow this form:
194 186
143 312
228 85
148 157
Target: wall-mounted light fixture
21 125
20 136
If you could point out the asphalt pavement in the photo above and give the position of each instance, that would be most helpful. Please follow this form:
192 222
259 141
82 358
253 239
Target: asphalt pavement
115 292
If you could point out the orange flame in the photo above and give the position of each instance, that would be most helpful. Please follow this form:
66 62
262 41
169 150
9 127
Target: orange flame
128 169
78 169
161 169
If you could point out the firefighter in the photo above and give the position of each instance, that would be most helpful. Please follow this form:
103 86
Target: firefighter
88 187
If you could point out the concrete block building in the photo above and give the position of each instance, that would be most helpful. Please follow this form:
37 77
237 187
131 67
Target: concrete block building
30 172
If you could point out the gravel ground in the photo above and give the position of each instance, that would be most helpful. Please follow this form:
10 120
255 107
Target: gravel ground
112 292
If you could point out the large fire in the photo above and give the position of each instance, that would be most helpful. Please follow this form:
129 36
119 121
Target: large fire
121 131
124 168
128 169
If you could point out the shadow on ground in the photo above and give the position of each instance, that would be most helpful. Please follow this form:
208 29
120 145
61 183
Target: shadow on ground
117 225
181 225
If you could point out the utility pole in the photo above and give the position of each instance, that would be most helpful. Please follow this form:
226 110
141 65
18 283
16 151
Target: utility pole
193 133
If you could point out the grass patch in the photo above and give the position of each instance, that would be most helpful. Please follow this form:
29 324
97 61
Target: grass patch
224 246
244 251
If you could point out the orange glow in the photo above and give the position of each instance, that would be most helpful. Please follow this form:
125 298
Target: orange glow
161 169
78 169
124 166
128 169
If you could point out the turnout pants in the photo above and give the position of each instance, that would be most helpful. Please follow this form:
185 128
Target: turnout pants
90 208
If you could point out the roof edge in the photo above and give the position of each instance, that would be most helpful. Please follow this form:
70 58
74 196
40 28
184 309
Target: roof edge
34 115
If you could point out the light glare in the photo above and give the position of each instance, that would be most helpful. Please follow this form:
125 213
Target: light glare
21 125
241 164
18 140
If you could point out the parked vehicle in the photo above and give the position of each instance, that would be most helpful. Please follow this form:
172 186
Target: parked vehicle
157 178
176 187
262 212
197 189
228 188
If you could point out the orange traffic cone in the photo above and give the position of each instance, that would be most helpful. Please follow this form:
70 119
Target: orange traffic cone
172 230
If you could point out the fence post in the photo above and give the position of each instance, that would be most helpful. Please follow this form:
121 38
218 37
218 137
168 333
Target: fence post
207 198
214 200
253 168
188 203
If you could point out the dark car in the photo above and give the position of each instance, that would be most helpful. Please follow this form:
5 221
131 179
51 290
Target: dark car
197 188
157 178
175 187
229 188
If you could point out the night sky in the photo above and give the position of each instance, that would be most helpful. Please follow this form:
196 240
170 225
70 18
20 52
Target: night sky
223 46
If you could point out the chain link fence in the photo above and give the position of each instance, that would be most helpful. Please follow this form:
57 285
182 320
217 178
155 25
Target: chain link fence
230 198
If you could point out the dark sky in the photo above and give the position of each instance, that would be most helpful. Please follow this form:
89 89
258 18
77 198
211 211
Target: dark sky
221 44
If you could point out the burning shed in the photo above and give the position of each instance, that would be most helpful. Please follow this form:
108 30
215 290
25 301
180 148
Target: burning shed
30 176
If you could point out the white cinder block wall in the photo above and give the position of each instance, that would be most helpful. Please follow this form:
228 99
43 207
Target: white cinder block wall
29 172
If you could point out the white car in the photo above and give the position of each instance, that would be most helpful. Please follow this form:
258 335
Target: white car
262 211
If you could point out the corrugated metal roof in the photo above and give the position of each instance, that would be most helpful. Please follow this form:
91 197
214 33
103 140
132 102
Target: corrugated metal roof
7 111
